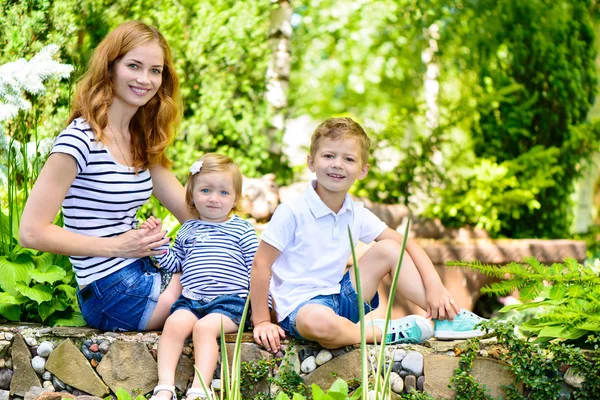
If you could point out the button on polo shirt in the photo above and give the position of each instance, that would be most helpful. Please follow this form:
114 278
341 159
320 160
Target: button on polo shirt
314 246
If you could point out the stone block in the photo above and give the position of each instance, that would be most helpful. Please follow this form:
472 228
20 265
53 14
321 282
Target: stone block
24 377
70 366
346 366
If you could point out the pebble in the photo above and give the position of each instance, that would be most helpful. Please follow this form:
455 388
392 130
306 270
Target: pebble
44 349
4 394
94 363
4 344
69 388
88 343
31 341
323 357
308 365
1 335
573 379
305 353
450 353
33 351
410 383
48 384
5 378
421 382
38 363
403 374
396 383
413 362
483 353
338 352
47 375
8 363
397 367
216 384
58 384
111 334
187 350
399 355
94 347
86 352
8 336
2 362
97 356
104 346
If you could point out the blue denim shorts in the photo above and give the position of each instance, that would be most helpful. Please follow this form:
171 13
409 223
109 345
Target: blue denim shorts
123 300
344 304
231 306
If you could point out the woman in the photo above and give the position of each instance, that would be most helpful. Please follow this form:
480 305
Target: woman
102 168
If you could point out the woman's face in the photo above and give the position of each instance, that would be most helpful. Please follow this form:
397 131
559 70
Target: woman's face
138 75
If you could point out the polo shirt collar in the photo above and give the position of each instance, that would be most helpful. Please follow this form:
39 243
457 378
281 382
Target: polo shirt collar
317 207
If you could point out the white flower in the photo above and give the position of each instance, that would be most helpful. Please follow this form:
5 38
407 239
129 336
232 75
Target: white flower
195 168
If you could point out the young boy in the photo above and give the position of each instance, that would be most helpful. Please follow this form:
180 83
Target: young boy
306 246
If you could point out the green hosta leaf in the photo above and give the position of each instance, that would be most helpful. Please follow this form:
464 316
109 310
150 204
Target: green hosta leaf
298 396
69 290
338 390
9 299
38 293
43 261
589 326
317 392
75 319
10 312
45 310
15 271
554 331
50 274
59 304
122 394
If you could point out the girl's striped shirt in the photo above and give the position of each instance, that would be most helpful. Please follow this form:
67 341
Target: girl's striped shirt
102 201
215 258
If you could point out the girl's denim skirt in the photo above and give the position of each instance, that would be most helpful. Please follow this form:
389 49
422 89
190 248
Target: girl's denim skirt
123 300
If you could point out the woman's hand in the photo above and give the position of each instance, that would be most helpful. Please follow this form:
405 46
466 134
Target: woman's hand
139 243
440 304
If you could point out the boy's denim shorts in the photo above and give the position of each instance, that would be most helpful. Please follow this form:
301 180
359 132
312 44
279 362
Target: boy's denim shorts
123 300
344 304
231 306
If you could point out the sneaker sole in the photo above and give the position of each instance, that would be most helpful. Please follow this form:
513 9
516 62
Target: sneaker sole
452 335
425 325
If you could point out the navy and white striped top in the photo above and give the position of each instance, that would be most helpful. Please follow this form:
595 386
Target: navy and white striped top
103 199
215 258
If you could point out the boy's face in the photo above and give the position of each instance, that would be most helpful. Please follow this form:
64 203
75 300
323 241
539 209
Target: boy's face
337 164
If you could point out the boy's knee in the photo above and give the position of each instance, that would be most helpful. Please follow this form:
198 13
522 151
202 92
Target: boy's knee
316 325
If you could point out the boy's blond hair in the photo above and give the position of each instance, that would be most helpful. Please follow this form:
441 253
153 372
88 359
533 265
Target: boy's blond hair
335 128
213 162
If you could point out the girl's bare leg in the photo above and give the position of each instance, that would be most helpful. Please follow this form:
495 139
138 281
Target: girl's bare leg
163 306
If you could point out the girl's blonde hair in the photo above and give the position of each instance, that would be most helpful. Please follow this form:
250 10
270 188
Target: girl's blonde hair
153 125
213 162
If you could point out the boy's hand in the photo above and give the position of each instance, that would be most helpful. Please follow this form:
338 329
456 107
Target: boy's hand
268 335
440 304
153 225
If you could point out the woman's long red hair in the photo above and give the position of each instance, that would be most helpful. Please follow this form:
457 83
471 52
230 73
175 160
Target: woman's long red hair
153 126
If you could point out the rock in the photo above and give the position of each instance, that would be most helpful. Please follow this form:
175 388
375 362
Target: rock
58 384
572 379
183 372
420 382
8 336
489 372
398 355
260 197
250 353
93 363
104 346
86 352
216 384
35 392
46 376
31 341
403 374
98 356
94 347
38 364
323 357
85 397
70 366
308 365
24 376
5 377
4 345
111 334
55 396
397 367
44 349
2 363
338 352
410 383
9 363
128 365
292 361
346 366
48 384
88 343
413 363
396 383
4 394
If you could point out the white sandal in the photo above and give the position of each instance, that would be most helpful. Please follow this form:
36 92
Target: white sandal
198 392
160 388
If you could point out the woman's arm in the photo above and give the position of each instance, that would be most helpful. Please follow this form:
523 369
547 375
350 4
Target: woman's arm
37 230
170 192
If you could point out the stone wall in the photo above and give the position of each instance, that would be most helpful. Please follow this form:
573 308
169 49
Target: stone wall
53 363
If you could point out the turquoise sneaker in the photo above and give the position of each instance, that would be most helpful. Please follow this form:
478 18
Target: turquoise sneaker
461 327
410 329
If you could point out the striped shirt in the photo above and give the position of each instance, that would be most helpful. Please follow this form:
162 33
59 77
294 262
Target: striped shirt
103 199
215 258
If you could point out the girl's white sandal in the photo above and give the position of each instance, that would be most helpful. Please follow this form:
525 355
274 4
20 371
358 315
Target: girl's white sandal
160 388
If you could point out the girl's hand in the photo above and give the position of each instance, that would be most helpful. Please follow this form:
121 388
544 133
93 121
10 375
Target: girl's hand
268 335
139 243
154 225
440 304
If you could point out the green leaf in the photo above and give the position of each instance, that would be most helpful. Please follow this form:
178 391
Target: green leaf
15 271
38 293
43 261
45 310
76 319
298 396
10 312
69 290
318 393
9 299
51 274
122 394
338 390
282 396
554 331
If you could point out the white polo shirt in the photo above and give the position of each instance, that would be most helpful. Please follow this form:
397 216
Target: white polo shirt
314 246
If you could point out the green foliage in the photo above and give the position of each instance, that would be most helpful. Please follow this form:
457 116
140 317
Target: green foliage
122 394
565 298
253 373
337 391
462 381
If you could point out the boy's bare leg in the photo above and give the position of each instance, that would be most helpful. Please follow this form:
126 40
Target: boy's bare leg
165 301
321 324
170 345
